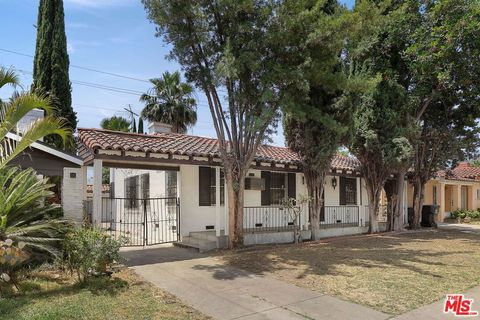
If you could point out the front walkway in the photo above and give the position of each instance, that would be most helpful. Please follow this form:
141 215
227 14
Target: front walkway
225 292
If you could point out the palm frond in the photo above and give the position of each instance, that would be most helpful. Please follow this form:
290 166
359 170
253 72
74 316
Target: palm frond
8 77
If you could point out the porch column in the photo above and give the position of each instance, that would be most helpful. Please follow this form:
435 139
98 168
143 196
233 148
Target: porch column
441 200
225 209
457 197
471 198
359 201
217 202
97 191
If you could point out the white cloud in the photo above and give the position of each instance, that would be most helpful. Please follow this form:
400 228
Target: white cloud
70 48
99 3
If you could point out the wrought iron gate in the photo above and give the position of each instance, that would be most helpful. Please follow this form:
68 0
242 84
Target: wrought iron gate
142 221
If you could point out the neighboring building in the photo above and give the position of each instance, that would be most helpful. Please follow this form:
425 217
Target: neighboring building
170 187
455 189
63 169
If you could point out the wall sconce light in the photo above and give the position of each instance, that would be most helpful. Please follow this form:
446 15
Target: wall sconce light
334 182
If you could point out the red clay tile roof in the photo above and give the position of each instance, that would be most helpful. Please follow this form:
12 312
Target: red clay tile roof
90 140
462 172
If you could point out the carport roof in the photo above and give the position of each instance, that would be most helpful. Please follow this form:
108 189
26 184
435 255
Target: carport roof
91 140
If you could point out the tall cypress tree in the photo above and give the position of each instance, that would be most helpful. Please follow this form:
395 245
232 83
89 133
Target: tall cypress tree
51 63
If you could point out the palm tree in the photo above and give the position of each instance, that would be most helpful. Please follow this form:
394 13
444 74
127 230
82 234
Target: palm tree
24 214
170 101
116 124
12 111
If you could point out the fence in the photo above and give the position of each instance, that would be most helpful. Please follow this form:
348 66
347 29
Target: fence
267 219
340 217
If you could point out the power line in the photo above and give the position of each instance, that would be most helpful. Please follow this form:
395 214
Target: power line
92 69
82 68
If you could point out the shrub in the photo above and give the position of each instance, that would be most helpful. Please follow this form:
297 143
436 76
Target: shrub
463 214
89 251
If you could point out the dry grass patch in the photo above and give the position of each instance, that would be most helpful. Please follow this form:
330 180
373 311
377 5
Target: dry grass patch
393 273
53 295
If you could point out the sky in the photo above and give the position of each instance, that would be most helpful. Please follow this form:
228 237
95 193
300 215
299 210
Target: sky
112 36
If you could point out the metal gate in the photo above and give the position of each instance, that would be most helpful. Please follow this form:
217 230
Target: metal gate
142 221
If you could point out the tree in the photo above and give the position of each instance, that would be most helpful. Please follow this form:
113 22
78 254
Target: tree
444 87
381 131
11 112
51 63
170 101
315 125
116 123
229 50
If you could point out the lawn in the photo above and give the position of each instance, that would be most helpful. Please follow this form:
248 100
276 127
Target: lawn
50 295
393 273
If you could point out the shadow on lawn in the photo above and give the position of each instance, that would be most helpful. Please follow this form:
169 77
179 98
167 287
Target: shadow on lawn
402 251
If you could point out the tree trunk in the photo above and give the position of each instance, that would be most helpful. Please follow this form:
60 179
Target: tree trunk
400 207
315 187
373 205
418 199
391 192
236 190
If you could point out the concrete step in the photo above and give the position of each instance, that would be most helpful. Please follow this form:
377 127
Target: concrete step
201 244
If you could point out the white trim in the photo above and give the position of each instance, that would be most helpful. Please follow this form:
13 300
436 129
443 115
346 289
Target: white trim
49 150
110 152
138 154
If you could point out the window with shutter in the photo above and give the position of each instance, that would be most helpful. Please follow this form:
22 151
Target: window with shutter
292 186
204 185
348 191
131 192
207 186
266 192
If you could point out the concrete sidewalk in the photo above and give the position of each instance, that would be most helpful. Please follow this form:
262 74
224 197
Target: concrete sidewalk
224 292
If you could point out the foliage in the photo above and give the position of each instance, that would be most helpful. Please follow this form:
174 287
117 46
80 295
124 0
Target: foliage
170 101
89 251
315 125
11 112
115 123
231 51
26 216
382 130
443 82
462 214
51 63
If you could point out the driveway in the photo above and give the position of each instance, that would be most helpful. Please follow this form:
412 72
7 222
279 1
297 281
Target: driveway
224 292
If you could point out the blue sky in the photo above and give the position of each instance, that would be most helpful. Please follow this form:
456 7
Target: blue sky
107 35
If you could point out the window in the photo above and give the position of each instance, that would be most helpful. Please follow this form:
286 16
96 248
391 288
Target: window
478 194
434 191
348 191
171 184
278 186
131 192
145 181
208 188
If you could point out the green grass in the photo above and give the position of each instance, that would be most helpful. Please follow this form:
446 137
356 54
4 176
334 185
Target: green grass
49 296
393 273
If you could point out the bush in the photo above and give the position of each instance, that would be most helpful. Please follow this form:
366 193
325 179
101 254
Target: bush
89 251
462 214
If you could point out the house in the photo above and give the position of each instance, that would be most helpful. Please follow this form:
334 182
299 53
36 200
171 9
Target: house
455 189
169 187
64 169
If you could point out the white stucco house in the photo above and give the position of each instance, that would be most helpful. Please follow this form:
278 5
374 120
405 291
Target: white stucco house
169 187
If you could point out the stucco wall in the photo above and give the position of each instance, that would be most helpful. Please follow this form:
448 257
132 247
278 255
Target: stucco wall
72 191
